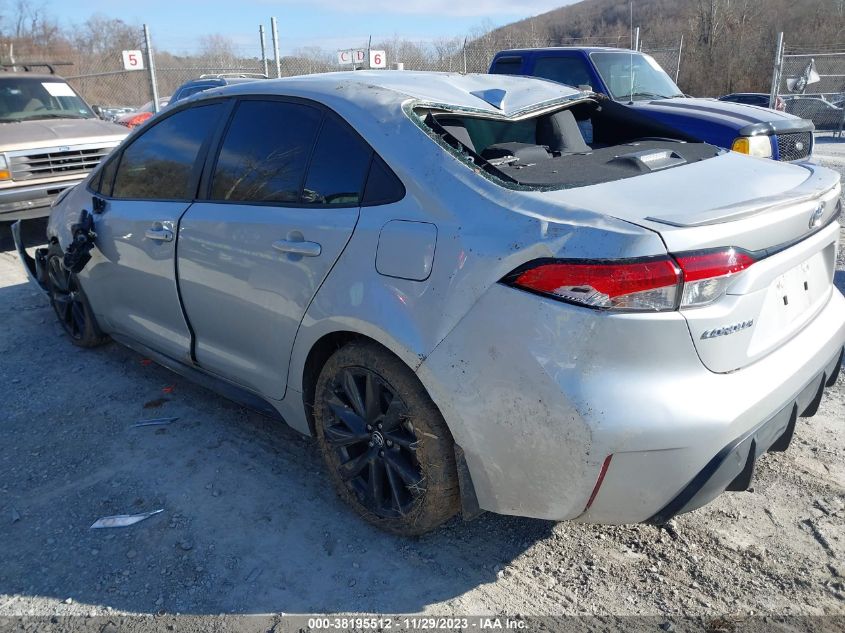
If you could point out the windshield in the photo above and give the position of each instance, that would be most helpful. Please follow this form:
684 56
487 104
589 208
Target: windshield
31 98
634 76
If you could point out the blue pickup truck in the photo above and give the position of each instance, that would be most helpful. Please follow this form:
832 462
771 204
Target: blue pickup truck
635 79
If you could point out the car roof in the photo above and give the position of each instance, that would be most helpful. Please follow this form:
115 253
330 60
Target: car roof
496 94
586 49
219 81
28 75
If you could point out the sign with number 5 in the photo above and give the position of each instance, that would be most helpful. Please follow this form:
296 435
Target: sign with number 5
378 59
133 60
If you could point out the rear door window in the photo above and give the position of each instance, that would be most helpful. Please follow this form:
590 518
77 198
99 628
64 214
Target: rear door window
511 65
265 153
159 164
570 70
338 167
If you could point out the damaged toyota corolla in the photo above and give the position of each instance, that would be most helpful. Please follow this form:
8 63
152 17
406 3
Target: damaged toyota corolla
478 292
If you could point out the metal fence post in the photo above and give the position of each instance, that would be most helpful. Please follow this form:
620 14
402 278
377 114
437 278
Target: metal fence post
274 30
773 95
151 66
263 49
680 51
465 55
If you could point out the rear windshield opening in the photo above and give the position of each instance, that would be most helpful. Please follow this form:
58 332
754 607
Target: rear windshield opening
576 145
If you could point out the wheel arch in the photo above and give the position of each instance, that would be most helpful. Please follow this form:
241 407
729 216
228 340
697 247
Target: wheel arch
324 346
320 352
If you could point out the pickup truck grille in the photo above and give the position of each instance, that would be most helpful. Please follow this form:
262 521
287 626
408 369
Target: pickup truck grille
66 162
794 145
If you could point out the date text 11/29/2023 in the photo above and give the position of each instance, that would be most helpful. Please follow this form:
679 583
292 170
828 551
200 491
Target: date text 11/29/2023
416 623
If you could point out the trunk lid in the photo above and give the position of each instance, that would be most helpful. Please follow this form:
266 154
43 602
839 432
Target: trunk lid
782 214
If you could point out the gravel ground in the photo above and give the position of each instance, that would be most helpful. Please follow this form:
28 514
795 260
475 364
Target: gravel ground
250 527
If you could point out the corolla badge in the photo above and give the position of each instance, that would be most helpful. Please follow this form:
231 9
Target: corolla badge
816 217
728 329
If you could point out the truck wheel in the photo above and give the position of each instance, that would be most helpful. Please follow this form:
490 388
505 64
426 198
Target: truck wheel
387 448
71 305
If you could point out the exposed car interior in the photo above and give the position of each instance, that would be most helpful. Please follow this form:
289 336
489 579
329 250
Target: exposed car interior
581 144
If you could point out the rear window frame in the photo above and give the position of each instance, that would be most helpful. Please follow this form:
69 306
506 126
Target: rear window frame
412 107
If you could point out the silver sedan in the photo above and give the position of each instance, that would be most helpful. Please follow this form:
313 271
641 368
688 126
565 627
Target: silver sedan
477 292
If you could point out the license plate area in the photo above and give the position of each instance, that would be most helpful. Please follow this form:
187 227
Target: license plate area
792 299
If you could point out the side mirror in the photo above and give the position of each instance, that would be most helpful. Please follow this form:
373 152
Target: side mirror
98 110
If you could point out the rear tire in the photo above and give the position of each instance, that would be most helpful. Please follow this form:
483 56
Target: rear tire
386 445
71 305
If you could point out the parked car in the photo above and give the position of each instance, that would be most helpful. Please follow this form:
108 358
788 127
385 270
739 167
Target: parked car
636 79
136 117
50 139
206 82
823 114
110 113
760 99
470 306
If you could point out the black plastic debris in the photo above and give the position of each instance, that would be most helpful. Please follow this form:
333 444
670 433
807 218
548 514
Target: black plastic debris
78 252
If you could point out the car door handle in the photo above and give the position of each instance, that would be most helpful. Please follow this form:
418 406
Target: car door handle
160 234
306 249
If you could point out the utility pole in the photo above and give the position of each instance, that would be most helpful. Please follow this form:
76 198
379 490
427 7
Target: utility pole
274 30
151 65
773 94
263 49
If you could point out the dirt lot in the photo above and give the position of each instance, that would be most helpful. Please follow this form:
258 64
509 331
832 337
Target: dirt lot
250 525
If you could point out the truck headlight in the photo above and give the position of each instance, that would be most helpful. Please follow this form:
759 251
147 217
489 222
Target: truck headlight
760 146
5 174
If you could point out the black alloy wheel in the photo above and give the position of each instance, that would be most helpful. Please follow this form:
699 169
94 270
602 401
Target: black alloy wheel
386 445
71 305
374 442
66 299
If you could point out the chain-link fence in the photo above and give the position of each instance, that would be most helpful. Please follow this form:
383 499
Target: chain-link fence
98 74
104 81
811 84
463 55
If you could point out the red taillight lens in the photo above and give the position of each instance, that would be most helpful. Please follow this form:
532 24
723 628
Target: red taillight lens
704 265
654 283
707 274
633 285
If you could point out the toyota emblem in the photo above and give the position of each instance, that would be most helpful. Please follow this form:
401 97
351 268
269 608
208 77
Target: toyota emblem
816 217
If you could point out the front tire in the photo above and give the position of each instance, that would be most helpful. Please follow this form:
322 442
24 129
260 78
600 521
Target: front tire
71 305
385 443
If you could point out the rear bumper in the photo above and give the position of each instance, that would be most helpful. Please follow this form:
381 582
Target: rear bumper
732 468
538 394
24 203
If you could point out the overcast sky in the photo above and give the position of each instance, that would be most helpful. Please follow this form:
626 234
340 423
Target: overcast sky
177 25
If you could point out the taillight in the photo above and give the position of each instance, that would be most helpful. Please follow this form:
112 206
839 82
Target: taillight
647 284
686 280
708 273
136 120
